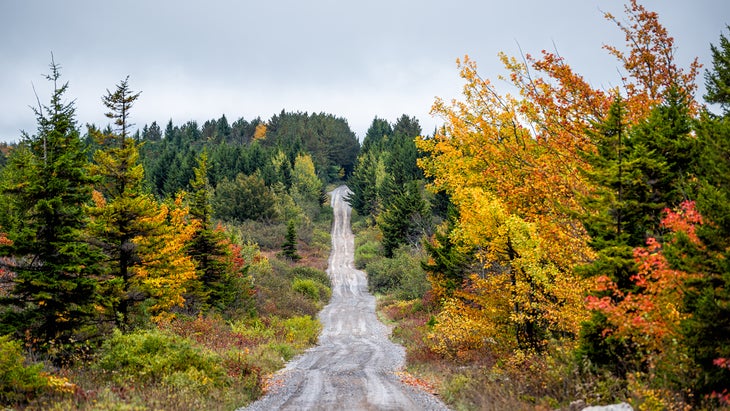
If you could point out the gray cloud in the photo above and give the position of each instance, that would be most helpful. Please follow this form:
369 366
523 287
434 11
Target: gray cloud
198 60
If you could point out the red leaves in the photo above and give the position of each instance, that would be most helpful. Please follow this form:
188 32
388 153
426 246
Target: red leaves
684 220
4 240
650 313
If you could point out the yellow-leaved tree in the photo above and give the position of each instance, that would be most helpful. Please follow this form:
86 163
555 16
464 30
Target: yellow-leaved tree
165 271
514 167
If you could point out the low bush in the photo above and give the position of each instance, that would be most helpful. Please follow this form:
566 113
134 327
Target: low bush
401 275
302 331
254 330
367 246
311 273
315 290
268 236
155 356
18 382
307 287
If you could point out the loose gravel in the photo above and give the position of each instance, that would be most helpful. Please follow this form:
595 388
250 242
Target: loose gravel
354 365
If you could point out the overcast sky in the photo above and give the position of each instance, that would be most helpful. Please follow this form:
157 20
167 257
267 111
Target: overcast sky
197 60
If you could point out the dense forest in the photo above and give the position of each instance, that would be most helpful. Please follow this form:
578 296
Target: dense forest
559 246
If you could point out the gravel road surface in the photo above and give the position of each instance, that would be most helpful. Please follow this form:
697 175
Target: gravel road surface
354 363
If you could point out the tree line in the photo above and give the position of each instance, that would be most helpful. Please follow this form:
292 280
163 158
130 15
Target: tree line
115 229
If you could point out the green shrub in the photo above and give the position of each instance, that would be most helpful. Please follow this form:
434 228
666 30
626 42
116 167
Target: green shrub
366 253
154 356
367 246
313 274
307 287
312 289
302 331
322 239
401 275
285 350
253 329
18 382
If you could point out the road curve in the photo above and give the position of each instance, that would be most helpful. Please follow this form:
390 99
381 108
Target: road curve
352 367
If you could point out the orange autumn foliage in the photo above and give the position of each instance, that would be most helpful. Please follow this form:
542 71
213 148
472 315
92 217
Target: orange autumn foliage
513 167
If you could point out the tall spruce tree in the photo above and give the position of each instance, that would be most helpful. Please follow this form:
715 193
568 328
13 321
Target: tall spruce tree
122 211
636 173
405 220
717 80
610 215
208 248
707 299
289 247
48 185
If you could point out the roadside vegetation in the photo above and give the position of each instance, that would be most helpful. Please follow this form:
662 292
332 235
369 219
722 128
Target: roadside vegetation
556 246
562 245
176 272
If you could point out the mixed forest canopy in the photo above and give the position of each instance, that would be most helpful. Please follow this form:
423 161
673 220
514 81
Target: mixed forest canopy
565 218
560 242
109 233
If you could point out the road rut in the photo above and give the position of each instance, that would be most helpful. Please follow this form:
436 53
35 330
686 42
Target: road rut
354 363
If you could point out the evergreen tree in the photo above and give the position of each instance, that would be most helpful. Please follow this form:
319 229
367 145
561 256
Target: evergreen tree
447 265
289 248
403 152
207 247
405 220
48 186
369 184
244 198
122 210
708 293
717 80
609 221
378 131
636 174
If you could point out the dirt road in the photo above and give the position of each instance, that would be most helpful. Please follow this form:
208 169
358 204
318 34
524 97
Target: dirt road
353 365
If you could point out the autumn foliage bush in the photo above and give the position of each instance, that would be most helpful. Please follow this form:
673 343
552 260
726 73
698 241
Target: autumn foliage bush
19 380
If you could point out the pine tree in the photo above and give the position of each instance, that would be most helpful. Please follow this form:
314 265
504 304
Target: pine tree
405 219
207 247
48 185
636 173
708 294
289 248
717 80
447 265
122 211
403 152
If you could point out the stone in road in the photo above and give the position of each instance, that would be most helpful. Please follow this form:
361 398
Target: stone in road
352 367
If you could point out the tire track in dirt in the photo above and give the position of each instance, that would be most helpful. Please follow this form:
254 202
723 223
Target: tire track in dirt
354 363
